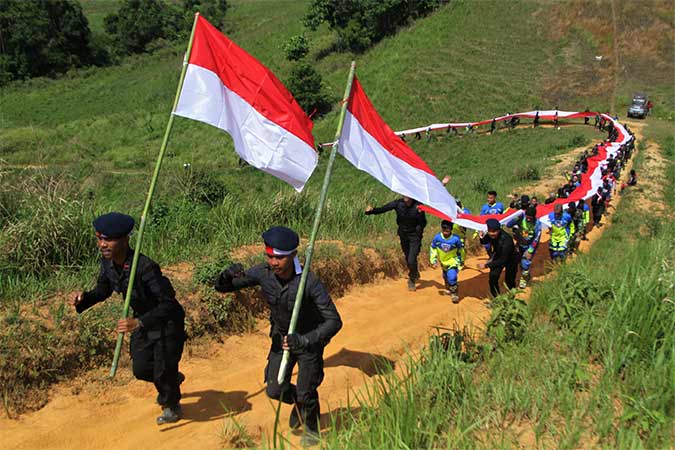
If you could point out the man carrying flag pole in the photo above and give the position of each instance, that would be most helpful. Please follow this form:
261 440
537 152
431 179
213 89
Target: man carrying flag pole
224 86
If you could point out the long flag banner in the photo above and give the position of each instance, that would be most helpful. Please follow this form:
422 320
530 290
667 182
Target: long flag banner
228 88
372 146
590 181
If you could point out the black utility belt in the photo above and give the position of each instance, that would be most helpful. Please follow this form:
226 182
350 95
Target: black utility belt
167 329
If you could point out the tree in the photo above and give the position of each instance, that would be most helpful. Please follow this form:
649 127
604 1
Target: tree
306 86
296 48
139 22
212 10
360 23
42 38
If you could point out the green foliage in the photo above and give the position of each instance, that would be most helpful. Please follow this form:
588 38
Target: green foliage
138 23
306 86
576 295
212 10
296 48
50 230
510 319
200 186
361 23
33 355
42 38
206 272
527 173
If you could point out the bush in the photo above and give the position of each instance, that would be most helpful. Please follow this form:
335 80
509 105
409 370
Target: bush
206 272
52 229
527 173
307 87
43 38
361 23
510 319
296 48
201 186
139 22
212 10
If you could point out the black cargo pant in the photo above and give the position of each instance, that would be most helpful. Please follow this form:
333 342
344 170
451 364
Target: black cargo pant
509 278
597 214
304 394
411 243
155 357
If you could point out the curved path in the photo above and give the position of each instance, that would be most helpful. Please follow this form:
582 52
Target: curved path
224 389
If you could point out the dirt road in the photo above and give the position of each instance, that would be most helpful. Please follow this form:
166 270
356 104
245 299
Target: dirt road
381 322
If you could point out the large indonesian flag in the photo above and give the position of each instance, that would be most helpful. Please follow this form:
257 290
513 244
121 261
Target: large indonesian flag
228 88
370 145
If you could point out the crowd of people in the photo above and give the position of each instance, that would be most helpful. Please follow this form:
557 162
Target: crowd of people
157 326
567 224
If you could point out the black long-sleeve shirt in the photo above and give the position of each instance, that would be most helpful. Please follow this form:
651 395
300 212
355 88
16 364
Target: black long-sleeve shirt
409 219
153 298
318 320
504 250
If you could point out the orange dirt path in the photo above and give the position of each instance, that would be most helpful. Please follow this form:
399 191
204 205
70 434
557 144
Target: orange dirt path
381 320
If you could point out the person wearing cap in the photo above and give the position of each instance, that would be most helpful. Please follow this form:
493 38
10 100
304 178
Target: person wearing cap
491 207
448 249
527 232
157 325
504 256
317 323
560 231
411 222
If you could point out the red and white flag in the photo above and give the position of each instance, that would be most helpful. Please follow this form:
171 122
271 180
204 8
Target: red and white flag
372 146
228 88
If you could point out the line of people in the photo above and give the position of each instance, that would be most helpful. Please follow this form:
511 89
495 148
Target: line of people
568 225
157 326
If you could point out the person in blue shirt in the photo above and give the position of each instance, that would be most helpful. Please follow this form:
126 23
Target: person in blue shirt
527 232
561 224
447 248
491 207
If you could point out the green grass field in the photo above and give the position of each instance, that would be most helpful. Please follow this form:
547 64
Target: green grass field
85 143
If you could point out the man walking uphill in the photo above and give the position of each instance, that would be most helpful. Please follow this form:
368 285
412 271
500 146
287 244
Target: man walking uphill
504 256
411 222
157 331
317 323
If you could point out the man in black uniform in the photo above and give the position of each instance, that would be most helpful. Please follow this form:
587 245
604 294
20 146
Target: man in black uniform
317 323
157 325
411 222
505 255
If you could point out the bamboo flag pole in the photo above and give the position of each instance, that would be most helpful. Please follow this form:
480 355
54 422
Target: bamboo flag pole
317 222
148 199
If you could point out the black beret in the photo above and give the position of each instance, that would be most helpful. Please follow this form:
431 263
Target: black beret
281 238
114 225
493 224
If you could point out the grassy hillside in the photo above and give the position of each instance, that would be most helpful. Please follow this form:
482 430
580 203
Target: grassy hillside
100 129
588 363
85 144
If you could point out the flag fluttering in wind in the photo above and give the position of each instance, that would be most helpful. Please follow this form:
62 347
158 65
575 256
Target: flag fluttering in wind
228 88
372 146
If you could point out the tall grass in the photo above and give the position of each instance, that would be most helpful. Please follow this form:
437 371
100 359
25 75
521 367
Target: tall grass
590 362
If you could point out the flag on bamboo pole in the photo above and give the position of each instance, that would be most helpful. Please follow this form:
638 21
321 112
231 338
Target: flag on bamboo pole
373 147
228 88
